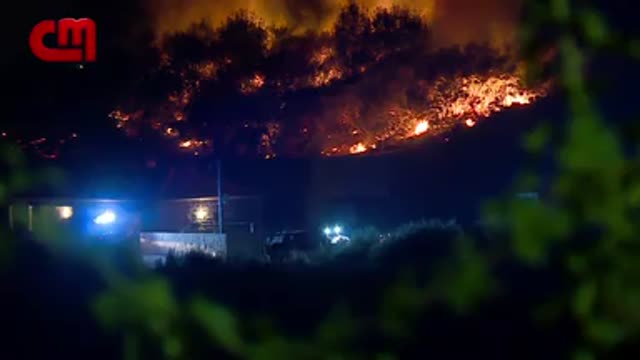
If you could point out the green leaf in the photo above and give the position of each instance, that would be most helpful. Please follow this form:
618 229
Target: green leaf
144 304
592 147
494 214
281 348
527 182
535 228
219 323
400 305
560 10
465 280
572 61
595 27
584 299
536 140
172 347
578 264
337 329
583 354
605 332
634 194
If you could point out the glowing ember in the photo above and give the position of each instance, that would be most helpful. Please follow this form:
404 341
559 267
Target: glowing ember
421 128
268 140
521 99
358 148
321 56
324 78
252 85
479 96
449 102
171 132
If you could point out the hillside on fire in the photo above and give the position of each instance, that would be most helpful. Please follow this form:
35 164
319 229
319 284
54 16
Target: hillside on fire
366 78
373 79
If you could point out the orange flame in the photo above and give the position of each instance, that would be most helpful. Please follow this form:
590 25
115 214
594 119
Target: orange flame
451 102
357 148
252 85
421 128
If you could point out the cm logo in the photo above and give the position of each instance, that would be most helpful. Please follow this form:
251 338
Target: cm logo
71 45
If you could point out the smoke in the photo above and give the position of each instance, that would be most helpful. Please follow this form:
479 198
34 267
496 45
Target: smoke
453 22
465 21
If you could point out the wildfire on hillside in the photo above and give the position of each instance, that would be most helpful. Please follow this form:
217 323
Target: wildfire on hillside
372 81
449 103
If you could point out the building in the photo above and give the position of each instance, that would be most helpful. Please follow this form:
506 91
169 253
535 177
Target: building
158 227
197 221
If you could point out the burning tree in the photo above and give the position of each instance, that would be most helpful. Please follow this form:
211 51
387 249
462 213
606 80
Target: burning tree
372 80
